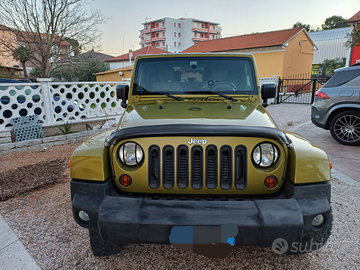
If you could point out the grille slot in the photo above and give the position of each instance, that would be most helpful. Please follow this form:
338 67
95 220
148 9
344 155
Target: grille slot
182 166
211 170
197 167
225 167
168 167
240 167
154 166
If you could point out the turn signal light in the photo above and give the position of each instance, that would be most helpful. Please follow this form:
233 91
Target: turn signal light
271 182
125 180
330 165
70 163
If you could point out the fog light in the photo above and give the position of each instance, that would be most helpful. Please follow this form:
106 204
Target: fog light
125 180
318 220
271 182
83 216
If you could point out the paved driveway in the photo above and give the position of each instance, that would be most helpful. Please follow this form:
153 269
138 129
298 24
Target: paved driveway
297 118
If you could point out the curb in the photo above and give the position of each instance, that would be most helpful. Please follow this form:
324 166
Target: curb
7 148
13 254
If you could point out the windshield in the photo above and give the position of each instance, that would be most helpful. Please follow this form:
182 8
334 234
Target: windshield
190 75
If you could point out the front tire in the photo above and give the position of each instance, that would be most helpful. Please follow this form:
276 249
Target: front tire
345 127
102 248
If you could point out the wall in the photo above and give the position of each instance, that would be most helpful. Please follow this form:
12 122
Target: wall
269 62
298 56
6 58
355 55
119 64
114 76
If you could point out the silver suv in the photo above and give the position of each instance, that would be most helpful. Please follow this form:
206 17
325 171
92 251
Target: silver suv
337 106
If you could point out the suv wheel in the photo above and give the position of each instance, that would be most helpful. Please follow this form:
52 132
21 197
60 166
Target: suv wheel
101 248
345 127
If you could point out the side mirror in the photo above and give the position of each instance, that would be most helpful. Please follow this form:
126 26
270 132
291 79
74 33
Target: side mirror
268 90
122 92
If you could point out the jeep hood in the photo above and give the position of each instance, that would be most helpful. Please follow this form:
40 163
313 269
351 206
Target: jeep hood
197 113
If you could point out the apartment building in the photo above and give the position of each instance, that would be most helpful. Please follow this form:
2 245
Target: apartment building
176 35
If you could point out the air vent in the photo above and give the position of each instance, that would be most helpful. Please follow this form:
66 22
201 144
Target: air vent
154 166
225 167
211 171
197 167
240 167
168 167
182 166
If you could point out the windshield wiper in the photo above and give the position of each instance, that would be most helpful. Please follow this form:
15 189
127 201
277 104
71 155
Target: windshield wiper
211 92
141 89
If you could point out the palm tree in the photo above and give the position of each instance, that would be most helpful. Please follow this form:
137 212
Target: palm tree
23 55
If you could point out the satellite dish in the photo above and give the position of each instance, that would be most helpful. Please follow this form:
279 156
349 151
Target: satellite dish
120 73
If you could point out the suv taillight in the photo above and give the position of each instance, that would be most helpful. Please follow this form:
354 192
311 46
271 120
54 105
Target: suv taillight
320 94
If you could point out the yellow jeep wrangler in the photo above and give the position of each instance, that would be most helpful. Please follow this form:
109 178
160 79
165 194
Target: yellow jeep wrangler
196 152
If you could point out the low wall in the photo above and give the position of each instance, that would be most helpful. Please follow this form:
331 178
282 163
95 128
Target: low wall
6 148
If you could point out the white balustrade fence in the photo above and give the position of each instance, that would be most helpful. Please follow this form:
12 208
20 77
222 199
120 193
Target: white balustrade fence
58 103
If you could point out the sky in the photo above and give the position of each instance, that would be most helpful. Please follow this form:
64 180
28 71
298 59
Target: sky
236 17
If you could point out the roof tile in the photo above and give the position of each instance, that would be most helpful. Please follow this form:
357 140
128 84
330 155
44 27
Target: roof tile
355 18
145 50
256 40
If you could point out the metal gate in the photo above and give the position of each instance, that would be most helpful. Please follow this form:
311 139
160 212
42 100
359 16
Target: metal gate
297 90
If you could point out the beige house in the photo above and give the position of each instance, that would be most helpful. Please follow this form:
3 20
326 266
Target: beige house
114 75
9 66
284 53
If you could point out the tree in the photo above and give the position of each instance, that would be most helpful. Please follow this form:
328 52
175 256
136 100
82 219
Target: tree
353 38
331 64
306 26
80 70
44 25
334 22
23 55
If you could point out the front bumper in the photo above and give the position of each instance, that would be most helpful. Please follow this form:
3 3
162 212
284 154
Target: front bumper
144 219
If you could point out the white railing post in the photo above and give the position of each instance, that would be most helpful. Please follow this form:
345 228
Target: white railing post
49 111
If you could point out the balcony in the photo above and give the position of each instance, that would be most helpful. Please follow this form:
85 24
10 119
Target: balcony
200 30
158 38
199 39
144 31
157 29
145 41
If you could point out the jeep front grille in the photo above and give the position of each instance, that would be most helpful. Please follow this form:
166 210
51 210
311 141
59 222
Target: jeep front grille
205 164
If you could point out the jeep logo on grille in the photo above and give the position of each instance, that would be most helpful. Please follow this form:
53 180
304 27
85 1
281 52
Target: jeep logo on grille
198 141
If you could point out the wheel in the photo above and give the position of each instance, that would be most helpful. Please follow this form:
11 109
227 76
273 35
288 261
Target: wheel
221 84
312 242
101 248
345 127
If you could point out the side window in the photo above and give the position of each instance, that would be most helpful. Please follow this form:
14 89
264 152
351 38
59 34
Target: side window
354 82
343 77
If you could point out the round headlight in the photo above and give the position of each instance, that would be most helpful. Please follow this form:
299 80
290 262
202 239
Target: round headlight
131 153
265 154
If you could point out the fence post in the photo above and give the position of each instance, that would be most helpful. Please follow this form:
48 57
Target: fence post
278 91
49 112
314 81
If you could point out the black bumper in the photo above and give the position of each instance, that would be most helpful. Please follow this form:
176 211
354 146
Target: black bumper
139 219
316 123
